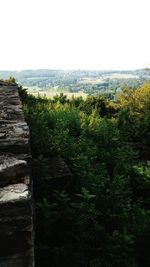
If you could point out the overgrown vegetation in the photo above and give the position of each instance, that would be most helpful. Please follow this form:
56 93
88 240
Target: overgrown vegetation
103 219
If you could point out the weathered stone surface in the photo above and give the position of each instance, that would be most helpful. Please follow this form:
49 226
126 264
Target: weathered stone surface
9 211
16 227
11 226
12 170
14 131
10 104
18 260
13 193
14 145
14 137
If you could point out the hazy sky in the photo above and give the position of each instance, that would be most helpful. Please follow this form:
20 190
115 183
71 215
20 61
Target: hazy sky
85 34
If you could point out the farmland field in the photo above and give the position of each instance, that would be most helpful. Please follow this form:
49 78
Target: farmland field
51 94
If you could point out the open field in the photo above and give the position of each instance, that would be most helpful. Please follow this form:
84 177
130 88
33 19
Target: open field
52 94
110 76
91 80
122 76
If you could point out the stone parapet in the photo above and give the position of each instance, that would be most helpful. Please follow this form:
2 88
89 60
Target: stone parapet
16 216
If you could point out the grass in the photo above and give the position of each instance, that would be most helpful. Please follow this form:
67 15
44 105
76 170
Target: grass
51 94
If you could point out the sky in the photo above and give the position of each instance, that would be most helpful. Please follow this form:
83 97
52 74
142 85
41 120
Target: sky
74 34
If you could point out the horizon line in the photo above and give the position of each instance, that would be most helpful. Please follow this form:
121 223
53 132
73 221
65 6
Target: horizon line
69 69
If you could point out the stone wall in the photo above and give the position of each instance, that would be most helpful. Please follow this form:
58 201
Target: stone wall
16 228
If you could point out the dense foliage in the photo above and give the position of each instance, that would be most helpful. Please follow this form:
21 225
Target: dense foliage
103 219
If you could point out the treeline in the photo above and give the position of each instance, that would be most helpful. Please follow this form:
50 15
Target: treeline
103 218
